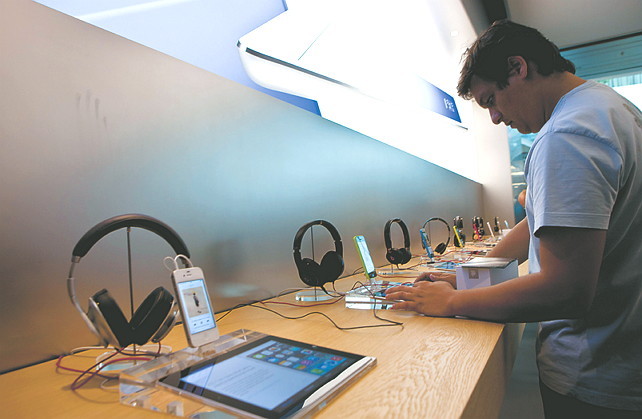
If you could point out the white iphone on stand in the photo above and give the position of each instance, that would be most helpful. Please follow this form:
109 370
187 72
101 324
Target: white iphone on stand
196 309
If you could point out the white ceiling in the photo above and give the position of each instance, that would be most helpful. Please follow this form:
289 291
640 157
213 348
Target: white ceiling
574 22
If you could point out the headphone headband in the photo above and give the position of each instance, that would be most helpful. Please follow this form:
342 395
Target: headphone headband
437 219
100 230
442 246
404 229
298 238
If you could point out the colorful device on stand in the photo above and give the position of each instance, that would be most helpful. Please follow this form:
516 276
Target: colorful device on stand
364 255
458 229
478 228
425 243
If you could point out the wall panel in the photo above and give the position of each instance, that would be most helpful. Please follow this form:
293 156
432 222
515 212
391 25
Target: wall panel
93 125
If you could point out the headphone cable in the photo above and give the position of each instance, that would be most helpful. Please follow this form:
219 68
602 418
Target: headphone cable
253 304
391 322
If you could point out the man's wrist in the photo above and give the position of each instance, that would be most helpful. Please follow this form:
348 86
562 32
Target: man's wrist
454 304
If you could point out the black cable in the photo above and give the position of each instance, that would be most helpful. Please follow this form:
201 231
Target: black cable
334 288
253 304
374 307
235 307
392 323
326 291
78 382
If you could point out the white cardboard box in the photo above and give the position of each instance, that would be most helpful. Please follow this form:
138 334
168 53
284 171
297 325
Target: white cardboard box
483 272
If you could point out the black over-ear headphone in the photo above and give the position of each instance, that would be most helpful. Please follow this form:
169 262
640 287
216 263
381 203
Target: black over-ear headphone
156 315
331 267
441 247
401 255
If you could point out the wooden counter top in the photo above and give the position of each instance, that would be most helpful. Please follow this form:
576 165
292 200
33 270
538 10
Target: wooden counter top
429 368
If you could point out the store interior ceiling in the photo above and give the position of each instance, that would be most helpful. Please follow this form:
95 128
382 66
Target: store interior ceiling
571 23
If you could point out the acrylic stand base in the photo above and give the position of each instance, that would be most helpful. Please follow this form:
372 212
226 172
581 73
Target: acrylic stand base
362 298
140 387
313 294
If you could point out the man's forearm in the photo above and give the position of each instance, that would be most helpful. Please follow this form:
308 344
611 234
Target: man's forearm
570 260
515 244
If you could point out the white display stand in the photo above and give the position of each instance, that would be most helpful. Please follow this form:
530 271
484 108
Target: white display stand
313 294
483 272
140 386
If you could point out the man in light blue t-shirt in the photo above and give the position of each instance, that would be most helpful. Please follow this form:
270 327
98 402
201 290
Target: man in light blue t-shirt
583 231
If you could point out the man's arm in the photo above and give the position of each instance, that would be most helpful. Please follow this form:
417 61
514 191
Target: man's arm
515 244
570 260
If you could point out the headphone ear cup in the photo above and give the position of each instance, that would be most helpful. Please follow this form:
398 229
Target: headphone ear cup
114 317
393 256
309 272
441 248
398 256
405 255
150 315
331 266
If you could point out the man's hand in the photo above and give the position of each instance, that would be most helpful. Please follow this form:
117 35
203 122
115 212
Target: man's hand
425 297
438 276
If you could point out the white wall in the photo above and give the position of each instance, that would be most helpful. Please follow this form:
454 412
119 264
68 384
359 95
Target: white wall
421 38
94 125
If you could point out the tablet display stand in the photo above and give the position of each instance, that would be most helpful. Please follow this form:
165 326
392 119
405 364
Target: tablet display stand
139 386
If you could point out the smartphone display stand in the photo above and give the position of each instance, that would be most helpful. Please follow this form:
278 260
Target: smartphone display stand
362 298
139 386
426 260
313 294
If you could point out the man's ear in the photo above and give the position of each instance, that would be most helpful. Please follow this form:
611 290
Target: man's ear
517 66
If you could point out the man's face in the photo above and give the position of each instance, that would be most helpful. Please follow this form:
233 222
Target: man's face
512 105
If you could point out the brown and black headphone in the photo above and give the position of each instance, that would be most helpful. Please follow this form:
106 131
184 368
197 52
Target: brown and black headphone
401 255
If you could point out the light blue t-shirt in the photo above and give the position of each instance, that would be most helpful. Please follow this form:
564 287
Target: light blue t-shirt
585 170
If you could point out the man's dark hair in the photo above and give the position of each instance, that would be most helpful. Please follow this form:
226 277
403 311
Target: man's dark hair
487 57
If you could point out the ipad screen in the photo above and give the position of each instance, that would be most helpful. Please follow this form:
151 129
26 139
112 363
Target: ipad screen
271 377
